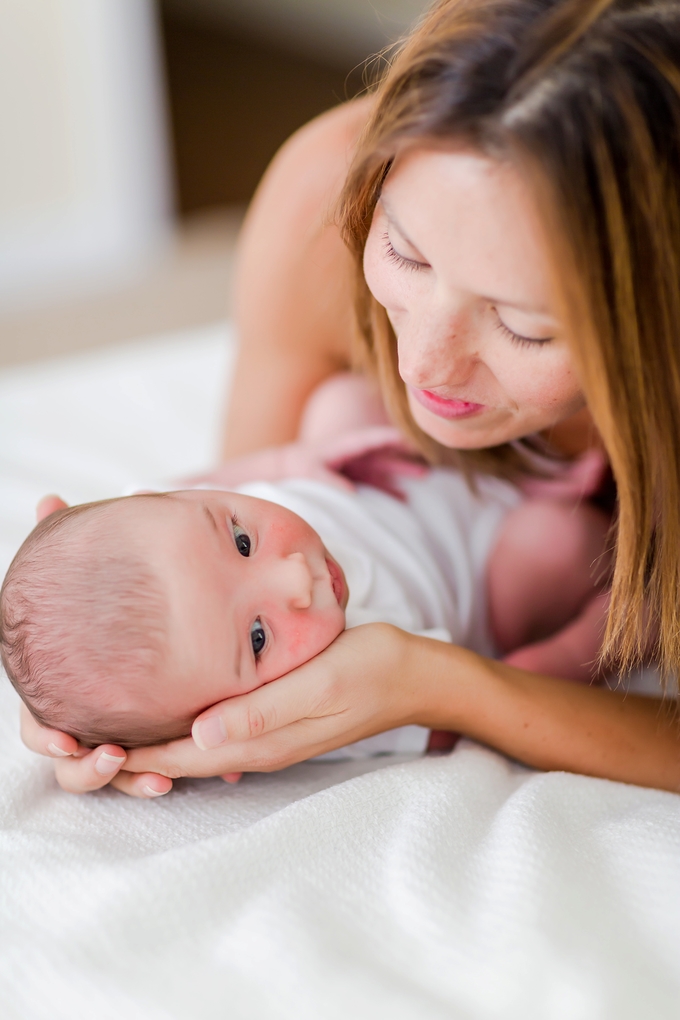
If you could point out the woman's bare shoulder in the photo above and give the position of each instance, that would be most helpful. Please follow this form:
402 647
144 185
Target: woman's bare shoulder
320 152
339 126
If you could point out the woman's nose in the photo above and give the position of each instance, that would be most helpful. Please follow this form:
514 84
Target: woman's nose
436 354
295 581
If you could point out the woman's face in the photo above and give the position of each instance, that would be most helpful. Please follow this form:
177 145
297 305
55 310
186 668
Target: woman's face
456 256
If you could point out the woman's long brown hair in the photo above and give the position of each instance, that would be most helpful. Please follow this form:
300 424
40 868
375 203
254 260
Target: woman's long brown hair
584 97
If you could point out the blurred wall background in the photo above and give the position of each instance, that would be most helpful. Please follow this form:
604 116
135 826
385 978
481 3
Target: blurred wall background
244 74
84 174
134 132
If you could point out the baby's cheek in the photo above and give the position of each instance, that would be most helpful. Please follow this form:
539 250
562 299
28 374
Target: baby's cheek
314 634
305 638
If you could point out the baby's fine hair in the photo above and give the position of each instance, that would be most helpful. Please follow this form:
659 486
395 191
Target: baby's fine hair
83 619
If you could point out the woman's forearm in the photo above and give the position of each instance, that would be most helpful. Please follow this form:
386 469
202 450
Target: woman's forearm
548 723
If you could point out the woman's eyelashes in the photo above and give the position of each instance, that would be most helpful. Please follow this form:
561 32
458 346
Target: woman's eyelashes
392 255
522 341
258 637
241 538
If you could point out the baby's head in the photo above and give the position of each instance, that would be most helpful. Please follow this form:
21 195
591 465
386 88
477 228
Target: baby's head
121 621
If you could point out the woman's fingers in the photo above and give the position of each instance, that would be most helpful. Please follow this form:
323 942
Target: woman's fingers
179 758
104 766
185 758
90 772
351 690
231 777
52 743
271 751
79 770
145 785
247 733
261 711
49 505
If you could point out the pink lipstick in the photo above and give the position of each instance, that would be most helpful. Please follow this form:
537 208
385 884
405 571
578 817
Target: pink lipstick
445 407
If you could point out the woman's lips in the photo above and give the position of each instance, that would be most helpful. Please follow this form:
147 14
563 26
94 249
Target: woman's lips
338 581
445 407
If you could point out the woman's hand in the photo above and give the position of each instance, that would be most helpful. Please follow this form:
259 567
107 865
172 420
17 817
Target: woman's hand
80 769
360 685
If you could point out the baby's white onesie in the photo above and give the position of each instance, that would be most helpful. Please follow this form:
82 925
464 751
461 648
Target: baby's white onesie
418 564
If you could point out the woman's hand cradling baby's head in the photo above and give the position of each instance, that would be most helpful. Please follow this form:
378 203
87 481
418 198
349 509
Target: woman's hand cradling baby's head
362 684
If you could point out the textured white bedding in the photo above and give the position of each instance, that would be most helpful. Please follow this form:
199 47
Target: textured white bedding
462 887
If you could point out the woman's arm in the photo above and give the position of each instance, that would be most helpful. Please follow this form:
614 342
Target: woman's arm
556 724
293 288
376 677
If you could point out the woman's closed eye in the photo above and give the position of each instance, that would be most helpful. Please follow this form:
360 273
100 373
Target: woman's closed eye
258 637
393 255
241 538
523 341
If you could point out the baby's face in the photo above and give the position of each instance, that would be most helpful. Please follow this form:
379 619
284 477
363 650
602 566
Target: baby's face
253 593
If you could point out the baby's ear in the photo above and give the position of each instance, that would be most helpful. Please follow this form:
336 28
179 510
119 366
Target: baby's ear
49 505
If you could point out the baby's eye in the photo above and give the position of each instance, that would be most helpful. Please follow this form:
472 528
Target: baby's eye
258 638
241 539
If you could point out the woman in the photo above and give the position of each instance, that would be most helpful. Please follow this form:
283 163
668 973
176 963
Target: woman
514 207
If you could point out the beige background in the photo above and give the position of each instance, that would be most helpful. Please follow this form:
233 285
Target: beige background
113 111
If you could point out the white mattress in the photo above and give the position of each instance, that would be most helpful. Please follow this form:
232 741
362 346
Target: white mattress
456 887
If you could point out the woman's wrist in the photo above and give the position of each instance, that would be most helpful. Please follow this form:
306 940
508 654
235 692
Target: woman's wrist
439 679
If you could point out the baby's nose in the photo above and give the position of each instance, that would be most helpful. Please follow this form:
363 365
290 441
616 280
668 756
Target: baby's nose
298 581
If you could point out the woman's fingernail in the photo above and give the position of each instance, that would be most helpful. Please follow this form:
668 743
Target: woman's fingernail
150 792
58 751
107 764
209 732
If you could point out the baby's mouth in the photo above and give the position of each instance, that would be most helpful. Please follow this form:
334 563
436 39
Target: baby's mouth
338 581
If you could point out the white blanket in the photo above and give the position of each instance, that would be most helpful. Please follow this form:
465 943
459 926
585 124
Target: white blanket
460 887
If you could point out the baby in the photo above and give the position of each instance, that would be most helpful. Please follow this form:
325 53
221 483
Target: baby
122 620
